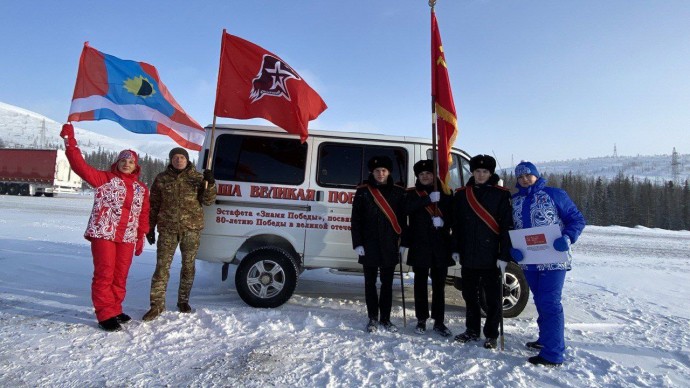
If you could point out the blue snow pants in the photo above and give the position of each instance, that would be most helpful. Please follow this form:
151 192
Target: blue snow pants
546 287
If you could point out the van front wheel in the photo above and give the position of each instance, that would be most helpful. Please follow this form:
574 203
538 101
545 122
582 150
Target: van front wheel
266 277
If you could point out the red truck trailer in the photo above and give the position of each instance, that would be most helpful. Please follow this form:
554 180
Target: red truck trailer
36 172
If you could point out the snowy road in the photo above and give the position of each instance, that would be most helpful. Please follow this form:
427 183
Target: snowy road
627 321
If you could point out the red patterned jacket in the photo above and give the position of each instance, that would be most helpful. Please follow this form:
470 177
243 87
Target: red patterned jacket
121 203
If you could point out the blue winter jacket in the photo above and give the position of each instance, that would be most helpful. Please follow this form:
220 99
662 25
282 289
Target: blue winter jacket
539 205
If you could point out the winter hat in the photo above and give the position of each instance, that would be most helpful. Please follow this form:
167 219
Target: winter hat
178 151
380 161
128 154
423 165
483 161
525 167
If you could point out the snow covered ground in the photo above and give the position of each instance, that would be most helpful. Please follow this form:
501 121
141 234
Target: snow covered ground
626 303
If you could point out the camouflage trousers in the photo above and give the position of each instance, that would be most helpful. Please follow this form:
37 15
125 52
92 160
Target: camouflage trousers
166 246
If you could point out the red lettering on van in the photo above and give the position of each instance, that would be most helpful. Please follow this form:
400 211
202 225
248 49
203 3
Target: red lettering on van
229 190
341 197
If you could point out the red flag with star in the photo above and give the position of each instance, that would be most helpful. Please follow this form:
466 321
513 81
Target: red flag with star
255 83
446 122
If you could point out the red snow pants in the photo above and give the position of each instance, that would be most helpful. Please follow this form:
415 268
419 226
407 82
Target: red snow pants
111 262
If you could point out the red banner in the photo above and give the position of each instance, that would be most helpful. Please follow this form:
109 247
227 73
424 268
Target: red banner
255 83
447 122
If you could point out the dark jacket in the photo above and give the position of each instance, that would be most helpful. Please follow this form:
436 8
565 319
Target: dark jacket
371 228
478 245
428 246
177 198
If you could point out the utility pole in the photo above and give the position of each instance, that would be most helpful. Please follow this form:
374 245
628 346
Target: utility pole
675 166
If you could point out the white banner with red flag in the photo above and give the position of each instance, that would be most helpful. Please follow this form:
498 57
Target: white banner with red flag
255 83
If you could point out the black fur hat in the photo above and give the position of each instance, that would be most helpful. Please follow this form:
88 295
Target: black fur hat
178 151
483 161
380 161
423 165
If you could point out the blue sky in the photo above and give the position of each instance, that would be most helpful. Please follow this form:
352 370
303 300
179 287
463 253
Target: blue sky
536 80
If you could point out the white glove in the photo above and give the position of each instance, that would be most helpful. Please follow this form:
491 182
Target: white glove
438 222
456 257
360 250
502 265
402 250
435 196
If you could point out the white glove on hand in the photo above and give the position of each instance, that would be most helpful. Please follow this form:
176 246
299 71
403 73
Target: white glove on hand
360 250
438 222
402 250
502 265
456 258
435 196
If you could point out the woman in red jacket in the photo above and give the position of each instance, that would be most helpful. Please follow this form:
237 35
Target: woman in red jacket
117 226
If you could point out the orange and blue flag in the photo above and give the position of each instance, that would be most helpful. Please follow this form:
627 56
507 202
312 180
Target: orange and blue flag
131 94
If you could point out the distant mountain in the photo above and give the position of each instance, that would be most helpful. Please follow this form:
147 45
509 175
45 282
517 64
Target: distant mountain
656 168
21 128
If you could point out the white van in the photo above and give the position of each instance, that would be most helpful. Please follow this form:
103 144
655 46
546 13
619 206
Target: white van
284 207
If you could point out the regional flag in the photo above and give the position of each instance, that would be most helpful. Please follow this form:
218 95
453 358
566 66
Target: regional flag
255 83
447 122
131 94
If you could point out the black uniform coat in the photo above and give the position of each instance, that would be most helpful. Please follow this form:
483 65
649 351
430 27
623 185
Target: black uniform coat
479 246
428 246
371 228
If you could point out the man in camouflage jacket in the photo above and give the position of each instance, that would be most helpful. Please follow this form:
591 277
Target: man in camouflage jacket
176 200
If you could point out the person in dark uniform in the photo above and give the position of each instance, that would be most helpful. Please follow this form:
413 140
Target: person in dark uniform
427 236
482 217
376 228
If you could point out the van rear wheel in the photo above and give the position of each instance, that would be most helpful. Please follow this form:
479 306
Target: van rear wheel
515 293
266 277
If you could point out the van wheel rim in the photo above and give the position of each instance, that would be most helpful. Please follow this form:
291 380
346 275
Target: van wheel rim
265 279
511 291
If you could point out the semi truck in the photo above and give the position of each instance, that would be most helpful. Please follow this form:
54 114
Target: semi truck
36 172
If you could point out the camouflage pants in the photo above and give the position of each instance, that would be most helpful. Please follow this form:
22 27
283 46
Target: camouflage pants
167 244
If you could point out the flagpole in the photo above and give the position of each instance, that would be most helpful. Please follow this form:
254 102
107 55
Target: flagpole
432 4
213 125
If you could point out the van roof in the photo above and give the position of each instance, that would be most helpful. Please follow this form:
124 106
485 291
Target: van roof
327 134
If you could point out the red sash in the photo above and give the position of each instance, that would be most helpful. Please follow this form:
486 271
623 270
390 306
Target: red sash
385 208
482 213
432 209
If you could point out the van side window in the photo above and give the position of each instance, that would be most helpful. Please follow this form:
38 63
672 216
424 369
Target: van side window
459 170
259 159
345 165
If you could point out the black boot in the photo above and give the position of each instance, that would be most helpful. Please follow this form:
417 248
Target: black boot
110 325
539 360
123 318
467 336
372 326
490 343
534 345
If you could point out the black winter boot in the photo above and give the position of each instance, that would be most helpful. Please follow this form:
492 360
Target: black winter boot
467 336
184 307
490 343
123 318
539 360
534 345
110 325
372 326
421 327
